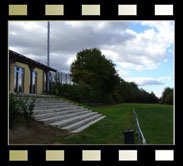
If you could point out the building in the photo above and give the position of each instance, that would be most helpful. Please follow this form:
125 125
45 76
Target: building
27 75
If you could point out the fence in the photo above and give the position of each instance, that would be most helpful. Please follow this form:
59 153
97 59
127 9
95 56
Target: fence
63 78
139 131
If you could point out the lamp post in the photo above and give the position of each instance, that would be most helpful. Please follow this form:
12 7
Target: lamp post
48 57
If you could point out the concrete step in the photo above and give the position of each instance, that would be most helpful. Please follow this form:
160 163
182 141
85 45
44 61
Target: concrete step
41 107
42 103
70 121
87 125
49 103
81 123
59 113
39 97
51 100
39 112
63 117
44 99
53 114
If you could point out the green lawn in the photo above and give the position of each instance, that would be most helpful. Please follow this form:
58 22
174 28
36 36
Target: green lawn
156 122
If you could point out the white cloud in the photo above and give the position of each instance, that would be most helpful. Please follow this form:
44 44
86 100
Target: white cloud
13 33
146 81
70 60
158 93
165 29
121 72
111 54
165 78
147 49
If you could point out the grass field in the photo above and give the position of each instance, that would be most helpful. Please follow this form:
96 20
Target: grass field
156 122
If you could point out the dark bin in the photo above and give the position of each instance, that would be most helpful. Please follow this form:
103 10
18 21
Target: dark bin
129 136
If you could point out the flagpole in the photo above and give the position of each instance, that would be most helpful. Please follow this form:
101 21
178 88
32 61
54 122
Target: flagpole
48 56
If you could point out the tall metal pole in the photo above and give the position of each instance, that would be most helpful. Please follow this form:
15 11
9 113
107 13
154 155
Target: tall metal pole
48 56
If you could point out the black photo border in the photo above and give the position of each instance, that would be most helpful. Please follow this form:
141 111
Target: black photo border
73 153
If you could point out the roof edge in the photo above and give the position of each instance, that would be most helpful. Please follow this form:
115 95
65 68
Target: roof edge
29 61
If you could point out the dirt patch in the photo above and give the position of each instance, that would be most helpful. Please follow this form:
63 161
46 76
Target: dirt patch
35 133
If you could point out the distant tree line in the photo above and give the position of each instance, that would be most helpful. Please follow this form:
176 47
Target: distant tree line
130 92
96 81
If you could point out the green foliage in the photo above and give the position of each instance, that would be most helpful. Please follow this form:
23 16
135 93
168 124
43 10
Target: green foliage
108 99
97 81
130 92
84 93
14 110
17 106
28 110
79 92
167 97
118 97
55 86
92 68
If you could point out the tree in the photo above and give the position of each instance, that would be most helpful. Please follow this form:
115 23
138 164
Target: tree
92 68
167 97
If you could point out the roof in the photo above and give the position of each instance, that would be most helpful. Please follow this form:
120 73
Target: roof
16 57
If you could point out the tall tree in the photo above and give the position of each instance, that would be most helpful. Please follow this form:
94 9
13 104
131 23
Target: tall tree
94 69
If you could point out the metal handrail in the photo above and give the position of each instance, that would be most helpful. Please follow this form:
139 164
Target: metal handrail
139 131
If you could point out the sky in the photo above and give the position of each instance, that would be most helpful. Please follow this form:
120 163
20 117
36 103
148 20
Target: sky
142 51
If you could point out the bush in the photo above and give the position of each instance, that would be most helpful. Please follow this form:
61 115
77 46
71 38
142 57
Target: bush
80 92
19 106
118 98
85 94
108 99
55 87
14 110
28 110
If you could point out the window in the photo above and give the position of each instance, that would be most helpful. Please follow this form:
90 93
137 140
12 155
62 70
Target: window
18 79
34 82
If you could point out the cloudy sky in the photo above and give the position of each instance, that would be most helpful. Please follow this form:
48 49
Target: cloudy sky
143 51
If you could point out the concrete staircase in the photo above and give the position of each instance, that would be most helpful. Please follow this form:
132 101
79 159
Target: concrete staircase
62 114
